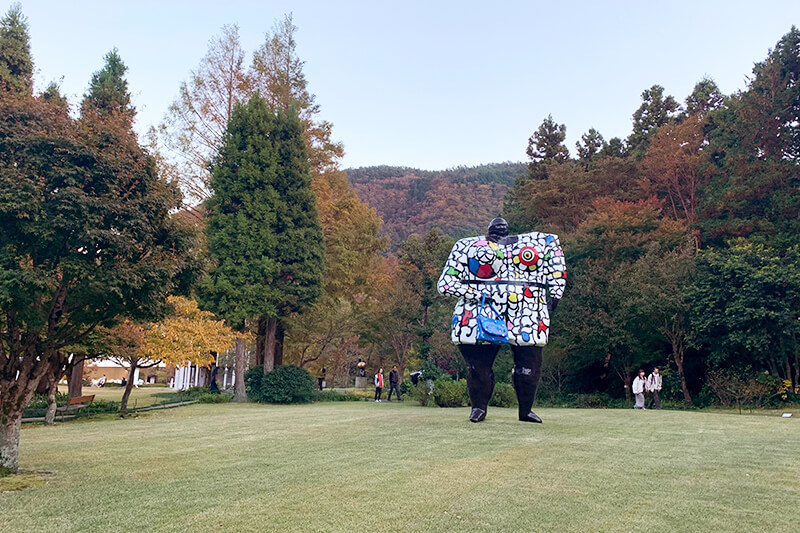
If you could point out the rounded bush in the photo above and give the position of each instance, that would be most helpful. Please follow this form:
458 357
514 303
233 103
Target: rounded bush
285 384
449 393
252 383
503 396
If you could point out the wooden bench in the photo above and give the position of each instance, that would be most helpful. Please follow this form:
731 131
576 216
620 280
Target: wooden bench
76 404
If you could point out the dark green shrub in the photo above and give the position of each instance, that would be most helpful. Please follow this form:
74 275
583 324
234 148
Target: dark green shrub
104 406
194 392
431 370
449 393
593 401
285 384
422 392
39 401
252 383
213 398
503 396
406 387
333 396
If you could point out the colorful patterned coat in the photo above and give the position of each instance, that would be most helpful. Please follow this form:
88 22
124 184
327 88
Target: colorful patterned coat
518 273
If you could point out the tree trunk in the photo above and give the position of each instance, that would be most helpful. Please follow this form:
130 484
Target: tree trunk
9 442
773 368
280 335
75 381
261 334
606 364
50 415
269 345
677 353
627 379
239 367
123 404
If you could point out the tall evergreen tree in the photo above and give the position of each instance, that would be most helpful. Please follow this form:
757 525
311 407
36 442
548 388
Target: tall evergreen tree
615 147
546 146
655 111
773 100
589 146
754 141
16 65
108 90
52 93
705 97
263 229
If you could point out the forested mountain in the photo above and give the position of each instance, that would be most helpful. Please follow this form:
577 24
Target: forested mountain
459 201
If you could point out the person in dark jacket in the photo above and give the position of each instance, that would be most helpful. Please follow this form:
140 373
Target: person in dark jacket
321 378
394 381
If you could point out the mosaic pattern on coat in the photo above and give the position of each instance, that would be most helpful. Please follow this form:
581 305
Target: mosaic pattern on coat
531 264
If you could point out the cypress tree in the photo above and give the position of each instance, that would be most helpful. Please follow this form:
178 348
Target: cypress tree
263 229
16 65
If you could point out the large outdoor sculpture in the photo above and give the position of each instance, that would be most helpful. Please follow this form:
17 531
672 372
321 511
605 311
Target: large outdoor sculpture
518 277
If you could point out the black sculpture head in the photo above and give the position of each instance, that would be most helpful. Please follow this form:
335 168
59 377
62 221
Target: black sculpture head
498 228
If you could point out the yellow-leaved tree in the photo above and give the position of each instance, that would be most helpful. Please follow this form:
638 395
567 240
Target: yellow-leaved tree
187 335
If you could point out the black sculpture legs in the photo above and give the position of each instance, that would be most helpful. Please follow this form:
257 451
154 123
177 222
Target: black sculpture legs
527 370
480 377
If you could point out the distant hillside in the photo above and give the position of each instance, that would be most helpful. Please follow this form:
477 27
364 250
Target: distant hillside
459 201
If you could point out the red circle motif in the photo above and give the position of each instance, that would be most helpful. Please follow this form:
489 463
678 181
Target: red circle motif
528 256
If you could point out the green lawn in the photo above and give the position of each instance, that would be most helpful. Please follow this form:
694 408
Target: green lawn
398 467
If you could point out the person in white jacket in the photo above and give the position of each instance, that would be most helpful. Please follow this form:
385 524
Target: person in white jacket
639 387
654 386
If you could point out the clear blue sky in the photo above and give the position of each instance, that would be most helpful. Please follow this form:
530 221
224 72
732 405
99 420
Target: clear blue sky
429 84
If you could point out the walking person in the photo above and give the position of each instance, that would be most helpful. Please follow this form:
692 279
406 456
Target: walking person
321 378
394 380
638 388
654 386
378 385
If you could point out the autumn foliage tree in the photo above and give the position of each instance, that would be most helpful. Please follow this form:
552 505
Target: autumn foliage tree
194 126
86 240
673 169
602 331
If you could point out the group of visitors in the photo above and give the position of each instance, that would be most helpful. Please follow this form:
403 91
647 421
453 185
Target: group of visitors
394 383
643 385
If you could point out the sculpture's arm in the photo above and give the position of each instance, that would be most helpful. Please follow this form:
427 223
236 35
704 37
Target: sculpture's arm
556 271
450 281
